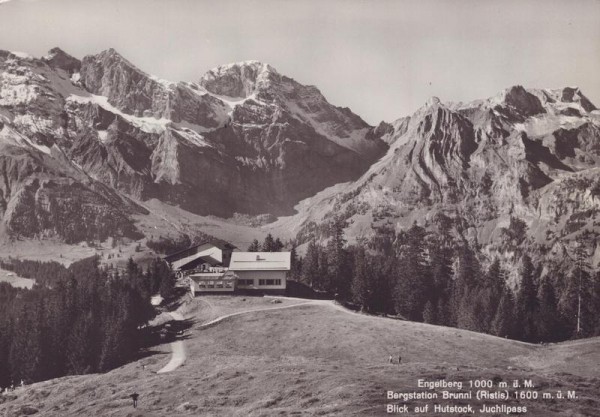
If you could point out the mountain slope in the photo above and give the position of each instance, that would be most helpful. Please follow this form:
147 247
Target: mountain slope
527 154
42 192
103 122
327 361
220 155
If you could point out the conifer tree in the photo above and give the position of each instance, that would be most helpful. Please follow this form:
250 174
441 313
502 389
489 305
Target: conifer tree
413 279
430 313
269 244
527 301
296 264
277 246
254 246
310 266
338 269
363 290
465 290
549 326
503 324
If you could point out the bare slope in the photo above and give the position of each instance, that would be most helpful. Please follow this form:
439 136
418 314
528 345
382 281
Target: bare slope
312 360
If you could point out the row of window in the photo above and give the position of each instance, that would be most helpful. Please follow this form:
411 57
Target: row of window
269 282
260 282
226 284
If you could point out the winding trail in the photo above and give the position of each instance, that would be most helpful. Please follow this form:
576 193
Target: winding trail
221 318
178 355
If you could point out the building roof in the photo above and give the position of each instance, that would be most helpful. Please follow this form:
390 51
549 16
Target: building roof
193 261
260 261
192 249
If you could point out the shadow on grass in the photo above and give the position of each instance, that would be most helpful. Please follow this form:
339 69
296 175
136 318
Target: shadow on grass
166 333
301 290
177 299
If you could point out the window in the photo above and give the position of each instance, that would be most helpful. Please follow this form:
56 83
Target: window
246 282
269 282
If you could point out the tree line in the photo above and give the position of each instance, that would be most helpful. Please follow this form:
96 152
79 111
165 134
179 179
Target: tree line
270 244
76 320
435 278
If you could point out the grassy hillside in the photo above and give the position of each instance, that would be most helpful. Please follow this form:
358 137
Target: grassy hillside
15 280
312 359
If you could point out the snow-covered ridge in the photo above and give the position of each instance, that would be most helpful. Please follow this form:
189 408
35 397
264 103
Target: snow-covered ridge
22 55
257 65
230 102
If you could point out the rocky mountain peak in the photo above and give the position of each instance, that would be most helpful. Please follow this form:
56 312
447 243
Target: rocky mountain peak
57 58
574 95
432 101
518 99
240 79
112 58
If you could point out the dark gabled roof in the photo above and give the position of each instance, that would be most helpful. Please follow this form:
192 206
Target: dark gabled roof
193 263
221 244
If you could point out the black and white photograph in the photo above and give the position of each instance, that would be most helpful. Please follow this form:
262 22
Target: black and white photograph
255 208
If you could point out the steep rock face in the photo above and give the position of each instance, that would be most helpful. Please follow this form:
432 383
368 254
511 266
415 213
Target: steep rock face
44 196
250 156
519 101
239 80
134 92
57 58
245 139
264 85
530 154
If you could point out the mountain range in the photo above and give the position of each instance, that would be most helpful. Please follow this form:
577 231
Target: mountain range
84 144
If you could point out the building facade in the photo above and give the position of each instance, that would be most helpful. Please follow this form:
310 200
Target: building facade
220 268
264 271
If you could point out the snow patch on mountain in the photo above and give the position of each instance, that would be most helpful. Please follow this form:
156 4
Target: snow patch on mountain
22 55
11 137
103 136
146 124
36 124
169 85
194 137
15 88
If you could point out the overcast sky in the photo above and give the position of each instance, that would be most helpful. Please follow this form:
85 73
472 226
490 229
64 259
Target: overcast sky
383 59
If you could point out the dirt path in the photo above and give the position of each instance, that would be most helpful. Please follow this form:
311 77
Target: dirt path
238 313
178 354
